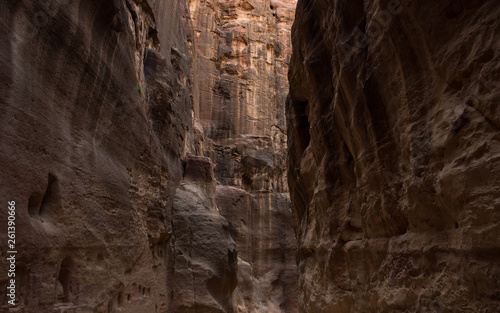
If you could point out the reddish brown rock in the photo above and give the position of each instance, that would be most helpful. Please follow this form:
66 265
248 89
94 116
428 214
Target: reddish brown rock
242 50
96 121
91 147
261 224
394 155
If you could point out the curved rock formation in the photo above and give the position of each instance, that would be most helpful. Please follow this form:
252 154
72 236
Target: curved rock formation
95 121
394 155
98 145
204 257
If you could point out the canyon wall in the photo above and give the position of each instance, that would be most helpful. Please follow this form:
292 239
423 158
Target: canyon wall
241 55
114 114
96 120
394 155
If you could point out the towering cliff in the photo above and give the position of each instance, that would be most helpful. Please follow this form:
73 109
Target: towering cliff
394 155
95 114
107 108
242 50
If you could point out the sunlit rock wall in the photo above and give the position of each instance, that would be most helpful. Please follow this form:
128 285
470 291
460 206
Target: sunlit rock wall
241 55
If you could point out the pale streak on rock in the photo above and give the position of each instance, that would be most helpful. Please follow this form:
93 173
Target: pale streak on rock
242 50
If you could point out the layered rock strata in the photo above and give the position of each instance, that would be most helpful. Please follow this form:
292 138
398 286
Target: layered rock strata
394 155
242 50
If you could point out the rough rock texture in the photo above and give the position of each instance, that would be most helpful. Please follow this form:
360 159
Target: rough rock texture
204 260
114 214
242 50
394 155
261 224
95 118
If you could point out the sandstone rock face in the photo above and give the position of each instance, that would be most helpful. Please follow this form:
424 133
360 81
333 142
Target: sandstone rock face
95 116
261 224
204 257
240 61
115 213
242 50
394 155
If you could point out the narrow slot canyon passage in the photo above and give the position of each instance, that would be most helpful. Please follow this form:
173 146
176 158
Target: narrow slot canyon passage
249 156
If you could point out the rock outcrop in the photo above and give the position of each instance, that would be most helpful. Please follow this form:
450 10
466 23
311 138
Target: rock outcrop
261 224
242 50
96 118
394 155
106 109
204 257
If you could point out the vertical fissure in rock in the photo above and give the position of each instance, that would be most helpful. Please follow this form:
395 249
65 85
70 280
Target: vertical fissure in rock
64 282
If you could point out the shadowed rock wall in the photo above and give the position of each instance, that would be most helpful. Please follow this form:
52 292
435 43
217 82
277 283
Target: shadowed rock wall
96 117
204 260
394 155
98 145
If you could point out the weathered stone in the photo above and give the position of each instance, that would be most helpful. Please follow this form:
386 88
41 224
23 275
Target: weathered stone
261 224
115 212
91 147
204 257
393 129
242 51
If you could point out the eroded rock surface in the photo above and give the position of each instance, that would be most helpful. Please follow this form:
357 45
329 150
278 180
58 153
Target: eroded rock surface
242 51
95 111
394 155
261 224
114 214
205 258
